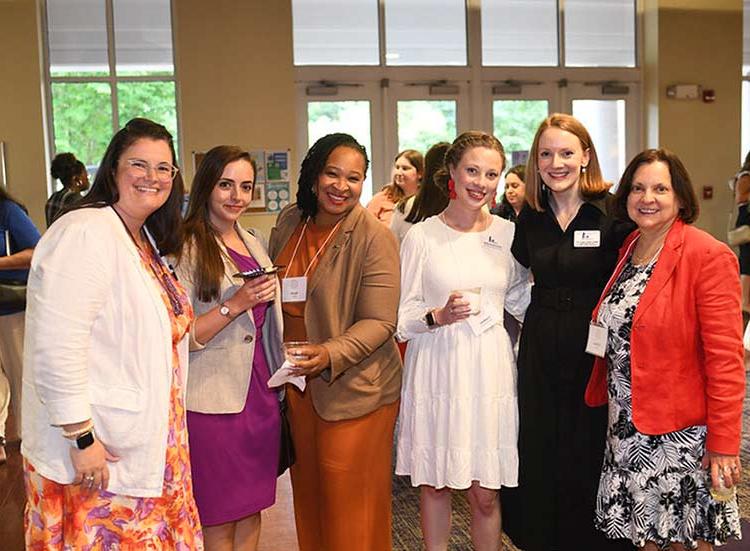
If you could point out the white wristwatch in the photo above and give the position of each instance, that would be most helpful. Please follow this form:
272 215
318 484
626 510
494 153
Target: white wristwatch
224 311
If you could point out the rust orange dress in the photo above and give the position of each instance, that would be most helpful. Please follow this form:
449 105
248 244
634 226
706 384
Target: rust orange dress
62 516
341 479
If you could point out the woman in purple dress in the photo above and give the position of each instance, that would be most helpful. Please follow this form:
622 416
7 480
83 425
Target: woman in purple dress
233 417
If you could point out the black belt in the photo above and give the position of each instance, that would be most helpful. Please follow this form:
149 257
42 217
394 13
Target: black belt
564 298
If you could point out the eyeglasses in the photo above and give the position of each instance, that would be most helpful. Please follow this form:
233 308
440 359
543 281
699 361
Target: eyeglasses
164 172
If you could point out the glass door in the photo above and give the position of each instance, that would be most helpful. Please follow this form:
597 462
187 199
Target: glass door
514 123
424 113
609 113
350 111
516 110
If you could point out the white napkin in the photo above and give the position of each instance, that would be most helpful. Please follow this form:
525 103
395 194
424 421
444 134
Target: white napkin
285 374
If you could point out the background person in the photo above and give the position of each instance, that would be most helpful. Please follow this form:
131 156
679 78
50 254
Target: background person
514 196
15 260
104 431
233 417
569 238
340 291
741 189
406 176
429 200
73 176
459 416
671 312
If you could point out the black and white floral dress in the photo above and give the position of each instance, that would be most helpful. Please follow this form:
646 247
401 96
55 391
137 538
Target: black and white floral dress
652 488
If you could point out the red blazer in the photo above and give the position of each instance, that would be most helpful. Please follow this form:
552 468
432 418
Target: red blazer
687 360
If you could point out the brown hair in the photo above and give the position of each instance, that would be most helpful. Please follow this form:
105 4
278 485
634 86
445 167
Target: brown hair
395 193
464 142
591 183
164 223
431 199
199 234
681 184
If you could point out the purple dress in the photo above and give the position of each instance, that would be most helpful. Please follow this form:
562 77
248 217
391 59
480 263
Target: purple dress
235 456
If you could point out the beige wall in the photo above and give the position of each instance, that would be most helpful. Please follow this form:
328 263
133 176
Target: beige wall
21 112
235 79
697 42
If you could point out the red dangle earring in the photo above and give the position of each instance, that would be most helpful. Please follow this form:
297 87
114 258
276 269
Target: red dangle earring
452 189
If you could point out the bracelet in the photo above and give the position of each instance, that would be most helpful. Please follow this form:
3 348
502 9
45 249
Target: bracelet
74 434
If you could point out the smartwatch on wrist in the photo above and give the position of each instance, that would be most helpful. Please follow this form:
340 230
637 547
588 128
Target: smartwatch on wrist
85 440
430 319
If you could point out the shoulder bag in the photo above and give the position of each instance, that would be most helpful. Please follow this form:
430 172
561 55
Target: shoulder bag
12 292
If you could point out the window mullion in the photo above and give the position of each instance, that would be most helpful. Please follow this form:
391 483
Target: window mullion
561 33
49 123
381 31
109 5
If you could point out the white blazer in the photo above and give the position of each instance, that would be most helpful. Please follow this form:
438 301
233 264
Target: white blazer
98 345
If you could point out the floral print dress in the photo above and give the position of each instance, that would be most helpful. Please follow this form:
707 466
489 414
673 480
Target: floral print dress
652 487
63 517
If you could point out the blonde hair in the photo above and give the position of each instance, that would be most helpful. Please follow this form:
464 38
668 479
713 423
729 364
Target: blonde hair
591 184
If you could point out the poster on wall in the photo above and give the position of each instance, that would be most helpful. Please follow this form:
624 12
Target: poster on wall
277 196
258 202
277 166
259 158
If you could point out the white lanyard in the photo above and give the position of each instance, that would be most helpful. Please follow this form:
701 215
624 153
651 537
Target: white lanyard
317 253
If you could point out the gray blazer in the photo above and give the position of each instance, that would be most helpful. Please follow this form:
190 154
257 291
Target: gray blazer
219 371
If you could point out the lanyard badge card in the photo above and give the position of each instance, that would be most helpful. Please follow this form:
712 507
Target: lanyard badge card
294 289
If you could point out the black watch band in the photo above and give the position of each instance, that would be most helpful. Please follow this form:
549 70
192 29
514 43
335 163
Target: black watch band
85 440
430 319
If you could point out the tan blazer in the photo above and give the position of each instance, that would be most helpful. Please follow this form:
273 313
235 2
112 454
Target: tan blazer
352 302
220 370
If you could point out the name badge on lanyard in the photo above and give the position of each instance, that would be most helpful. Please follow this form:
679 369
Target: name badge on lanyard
587 239
596 343
294 289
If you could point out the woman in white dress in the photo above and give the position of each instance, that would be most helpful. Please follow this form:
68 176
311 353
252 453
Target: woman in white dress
459 416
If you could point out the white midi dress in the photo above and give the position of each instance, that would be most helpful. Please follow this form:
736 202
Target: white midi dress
459 412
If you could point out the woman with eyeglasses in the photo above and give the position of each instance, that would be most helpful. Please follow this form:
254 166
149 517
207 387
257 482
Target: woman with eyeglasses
105 445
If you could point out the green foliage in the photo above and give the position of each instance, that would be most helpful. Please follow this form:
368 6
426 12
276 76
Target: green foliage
82 113
515 122
352 117
422 123
152 100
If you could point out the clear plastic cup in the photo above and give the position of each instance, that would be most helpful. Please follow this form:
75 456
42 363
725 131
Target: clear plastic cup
722 493
292 352
473 296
